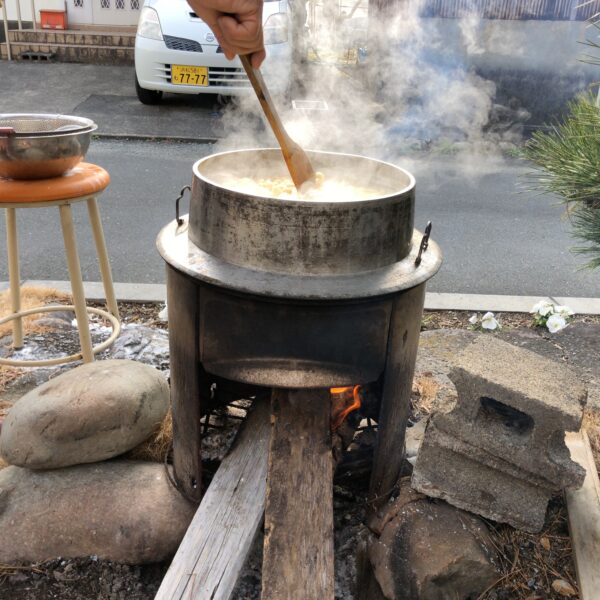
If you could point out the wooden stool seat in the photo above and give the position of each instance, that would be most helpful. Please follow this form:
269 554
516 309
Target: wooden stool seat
83 182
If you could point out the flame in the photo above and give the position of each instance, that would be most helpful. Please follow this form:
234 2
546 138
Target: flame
338 416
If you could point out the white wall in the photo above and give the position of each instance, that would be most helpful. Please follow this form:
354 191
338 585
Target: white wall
11 8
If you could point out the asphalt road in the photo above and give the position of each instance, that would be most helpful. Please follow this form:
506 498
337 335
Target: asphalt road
496 238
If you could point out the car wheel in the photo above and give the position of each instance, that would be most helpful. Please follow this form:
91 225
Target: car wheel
147 96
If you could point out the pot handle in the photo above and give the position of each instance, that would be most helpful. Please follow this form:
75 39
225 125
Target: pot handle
424 243
184 189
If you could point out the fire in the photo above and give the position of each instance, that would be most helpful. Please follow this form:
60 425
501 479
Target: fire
345 401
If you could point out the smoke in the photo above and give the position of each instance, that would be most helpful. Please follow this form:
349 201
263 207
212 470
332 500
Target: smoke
389 88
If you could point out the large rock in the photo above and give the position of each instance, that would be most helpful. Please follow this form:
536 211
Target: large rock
125 511
91 413
429 550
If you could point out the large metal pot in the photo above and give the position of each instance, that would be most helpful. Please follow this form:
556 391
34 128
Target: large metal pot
299 237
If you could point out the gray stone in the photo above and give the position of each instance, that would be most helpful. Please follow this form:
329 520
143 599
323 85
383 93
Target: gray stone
500 451
90 413
429 550
143 344
578 345
440 347
437 350
124 511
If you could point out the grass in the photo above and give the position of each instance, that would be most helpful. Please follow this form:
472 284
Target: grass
30 298
157 447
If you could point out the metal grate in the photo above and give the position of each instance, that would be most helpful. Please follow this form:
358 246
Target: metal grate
228 76
78 3
559 10
105 4
120 4
177 43
135 4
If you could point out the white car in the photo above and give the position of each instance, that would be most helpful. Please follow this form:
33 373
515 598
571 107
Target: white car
175 51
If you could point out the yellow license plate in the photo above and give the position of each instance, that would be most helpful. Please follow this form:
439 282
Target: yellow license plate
183 75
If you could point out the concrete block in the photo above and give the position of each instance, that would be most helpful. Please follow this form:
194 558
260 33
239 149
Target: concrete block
500 452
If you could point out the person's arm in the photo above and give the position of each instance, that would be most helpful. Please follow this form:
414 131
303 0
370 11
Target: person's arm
237 25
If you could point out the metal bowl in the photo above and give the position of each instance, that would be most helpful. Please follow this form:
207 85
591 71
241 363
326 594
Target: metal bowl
38 146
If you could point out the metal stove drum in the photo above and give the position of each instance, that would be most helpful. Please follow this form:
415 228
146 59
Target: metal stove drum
294 294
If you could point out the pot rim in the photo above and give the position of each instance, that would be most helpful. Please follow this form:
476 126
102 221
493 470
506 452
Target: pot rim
312 203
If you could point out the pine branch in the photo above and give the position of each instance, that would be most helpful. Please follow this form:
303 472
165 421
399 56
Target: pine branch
568 164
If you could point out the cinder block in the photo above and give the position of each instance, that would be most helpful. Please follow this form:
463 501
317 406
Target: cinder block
500 452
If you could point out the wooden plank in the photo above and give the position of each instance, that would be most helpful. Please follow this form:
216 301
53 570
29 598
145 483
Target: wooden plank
583 506
395 399
298 548
219 538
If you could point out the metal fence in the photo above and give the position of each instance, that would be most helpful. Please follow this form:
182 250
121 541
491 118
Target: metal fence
551 10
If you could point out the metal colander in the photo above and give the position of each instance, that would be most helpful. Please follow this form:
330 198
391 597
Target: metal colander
34 125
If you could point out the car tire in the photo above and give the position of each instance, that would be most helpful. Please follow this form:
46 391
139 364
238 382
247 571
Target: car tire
224 100
147 96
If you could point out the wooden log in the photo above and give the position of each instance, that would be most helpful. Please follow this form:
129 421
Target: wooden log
298 559
583 506
395 399
214 549
186 381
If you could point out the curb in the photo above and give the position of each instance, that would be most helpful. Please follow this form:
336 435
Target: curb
155 138
157 293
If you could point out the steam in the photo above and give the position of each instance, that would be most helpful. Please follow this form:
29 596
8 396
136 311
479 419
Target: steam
414 91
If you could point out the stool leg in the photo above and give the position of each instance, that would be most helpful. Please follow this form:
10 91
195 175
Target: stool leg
14 275
105 271
85 339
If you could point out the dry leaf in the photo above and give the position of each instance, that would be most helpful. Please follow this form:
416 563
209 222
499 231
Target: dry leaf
564 588
545 542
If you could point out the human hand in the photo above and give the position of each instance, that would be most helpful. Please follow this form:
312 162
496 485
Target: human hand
237 25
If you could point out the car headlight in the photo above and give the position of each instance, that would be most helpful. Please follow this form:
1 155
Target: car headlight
149 24
276 29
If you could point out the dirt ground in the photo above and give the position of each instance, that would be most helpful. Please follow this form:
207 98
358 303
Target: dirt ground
531 565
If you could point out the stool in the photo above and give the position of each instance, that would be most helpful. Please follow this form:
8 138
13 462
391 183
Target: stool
84 182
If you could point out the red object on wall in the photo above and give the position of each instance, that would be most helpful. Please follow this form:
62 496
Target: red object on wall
53 19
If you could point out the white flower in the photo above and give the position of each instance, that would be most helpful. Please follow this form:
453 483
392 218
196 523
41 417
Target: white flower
473 320
488 321
564 311
543 308
556 323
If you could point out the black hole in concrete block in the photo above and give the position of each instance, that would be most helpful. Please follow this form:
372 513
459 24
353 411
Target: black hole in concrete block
508 416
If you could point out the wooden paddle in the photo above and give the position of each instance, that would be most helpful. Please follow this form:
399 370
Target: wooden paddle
295 158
